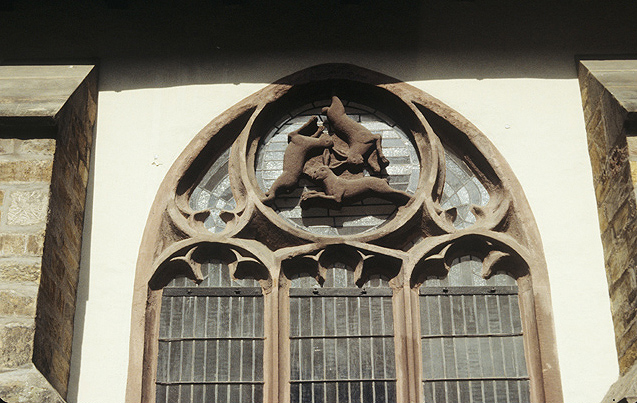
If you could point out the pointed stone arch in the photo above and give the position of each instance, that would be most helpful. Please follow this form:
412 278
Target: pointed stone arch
413 240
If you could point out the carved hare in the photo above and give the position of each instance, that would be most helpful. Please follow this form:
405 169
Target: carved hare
300 144
338 189
363 144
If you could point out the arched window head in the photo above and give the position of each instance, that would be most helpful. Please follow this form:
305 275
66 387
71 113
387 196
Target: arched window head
349 238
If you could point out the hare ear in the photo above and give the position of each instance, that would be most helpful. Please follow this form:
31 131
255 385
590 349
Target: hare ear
326 156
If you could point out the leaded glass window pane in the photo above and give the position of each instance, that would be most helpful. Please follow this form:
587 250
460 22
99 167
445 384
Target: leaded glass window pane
341 340
471 334
211 340
214 193
462 189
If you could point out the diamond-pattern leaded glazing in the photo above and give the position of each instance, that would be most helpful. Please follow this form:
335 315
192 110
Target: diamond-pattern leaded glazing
370 213
214 193
462 189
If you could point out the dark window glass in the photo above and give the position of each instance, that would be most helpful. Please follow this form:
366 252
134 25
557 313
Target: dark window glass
472 349
341 340
211 340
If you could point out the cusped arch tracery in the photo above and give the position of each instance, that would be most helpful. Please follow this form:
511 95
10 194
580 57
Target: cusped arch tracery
450 194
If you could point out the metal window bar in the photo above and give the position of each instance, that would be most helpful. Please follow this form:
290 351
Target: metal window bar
472 348
341 345
210 345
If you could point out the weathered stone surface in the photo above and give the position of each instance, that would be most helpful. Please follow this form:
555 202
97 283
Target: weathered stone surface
24 97
603 221
624 214
36 147
625 387
6 146
609 90
16 342
28 208
632 147
598 158
12 244
629 356
27 385
25 171
618 78
18 301
28 267
35 244
12 271
593 124
617 260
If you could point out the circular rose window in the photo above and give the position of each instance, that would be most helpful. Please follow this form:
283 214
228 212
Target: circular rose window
383 183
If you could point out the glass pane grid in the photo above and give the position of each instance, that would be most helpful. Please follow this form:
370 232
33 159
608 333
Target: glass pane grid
342 347
472 344
210 347
215 274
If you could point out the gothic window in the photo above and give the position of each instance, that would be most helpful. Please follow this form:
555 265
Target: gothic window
341 237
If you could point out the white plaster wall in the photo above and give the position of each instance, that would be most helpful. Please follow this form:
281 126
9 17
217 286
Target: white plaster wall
537 124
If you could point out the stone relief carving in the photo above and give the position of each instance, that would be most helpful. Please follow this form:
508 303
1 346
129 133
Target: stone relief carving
338 189
417 240
348 148
362 145
366 262
186 257
301 146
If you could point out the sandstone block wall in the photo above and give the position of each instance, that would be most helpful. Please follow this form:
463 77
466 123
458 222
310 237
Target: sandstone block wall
24 201
609 105
44 170
26 166
62 241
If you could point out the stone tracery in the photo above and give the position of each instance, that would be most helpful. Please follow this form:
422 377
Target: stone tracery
416 241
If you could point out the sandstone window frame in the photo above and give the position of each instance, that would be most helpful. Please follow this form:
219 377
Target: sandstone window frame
505 233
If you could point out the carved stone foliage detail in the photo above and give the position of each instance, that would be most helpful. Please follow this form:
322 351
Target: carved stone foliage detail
497 253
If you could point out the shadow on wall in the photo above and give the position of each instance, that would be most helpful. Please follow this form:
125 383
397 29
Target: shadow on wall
164 43
82 295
